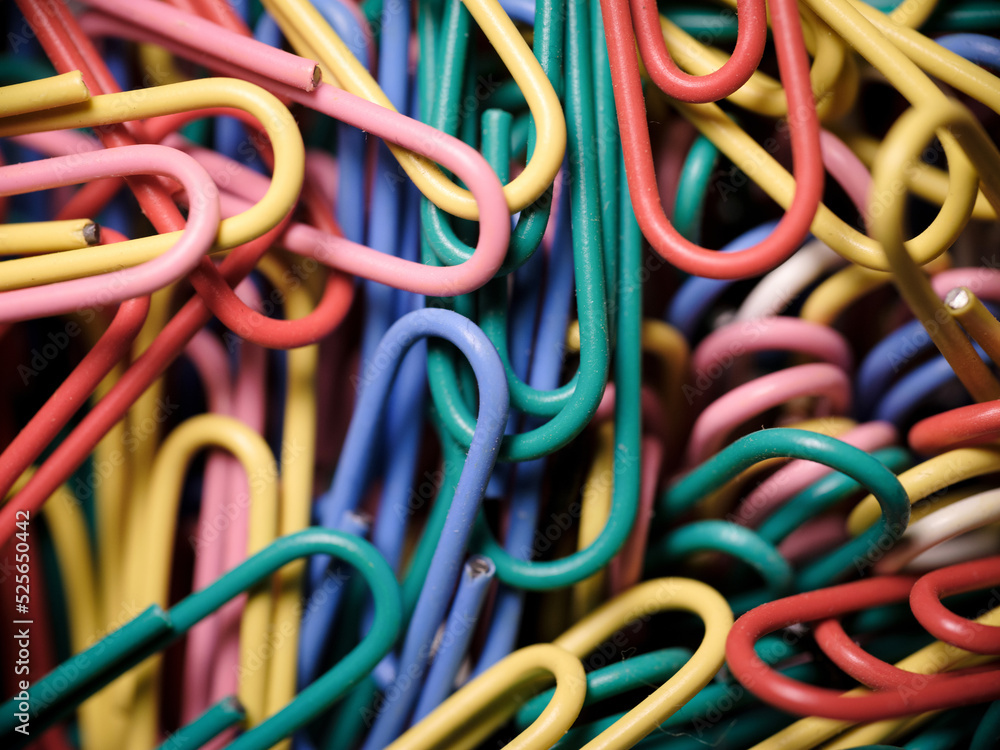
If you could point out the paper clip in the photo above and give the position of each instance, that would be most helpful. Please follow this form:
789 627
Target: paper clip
60 692
74 294
638 165
833 602
781 429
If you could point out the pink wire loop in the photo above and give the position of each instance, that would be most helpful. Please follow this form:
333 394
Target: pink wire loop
451 153
721 347
727 412
211 362
104 289
360 260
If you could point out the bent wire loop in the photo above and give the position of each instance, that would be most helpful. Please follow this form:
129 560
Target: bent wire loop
107 288
57 694
303 19
480 694
171 99
150 582
567 140
320 245
348 483
570 406
858 705
792 228
785 442
734 73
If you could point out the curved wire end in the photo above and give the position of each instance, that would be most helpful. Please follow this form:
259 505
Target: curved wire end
92 234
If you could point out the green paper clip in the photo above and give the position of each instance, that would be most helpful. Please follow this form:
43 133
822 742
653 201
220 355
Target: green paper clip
59 693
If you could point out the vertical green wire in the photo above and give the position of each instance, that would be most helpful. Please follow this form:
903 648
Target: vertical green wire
571 410
627 366
692 187
532 221
608 150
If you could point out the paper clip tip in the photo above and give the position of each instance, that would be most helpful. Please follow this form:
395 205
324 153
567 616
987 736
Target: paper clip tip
92 234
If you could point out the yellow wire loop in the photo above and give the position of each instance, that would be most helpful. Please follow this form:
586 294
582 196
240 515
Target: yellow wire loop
150 548
639 603
277 202
313 38
446 723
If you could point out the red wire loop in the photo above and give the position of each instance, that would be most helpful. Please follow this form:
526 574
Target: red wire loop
941 622
872 671
672 81
790 695
273 333
793 63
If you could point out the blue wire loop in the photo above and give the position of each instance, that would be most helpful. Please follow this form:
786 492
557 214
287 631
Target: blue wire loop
350 479
447 560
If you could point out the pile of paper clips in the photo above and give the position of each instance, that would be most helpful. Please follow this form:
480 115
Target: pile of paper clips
465 374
